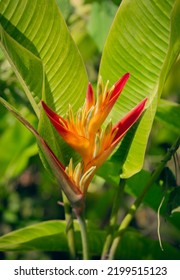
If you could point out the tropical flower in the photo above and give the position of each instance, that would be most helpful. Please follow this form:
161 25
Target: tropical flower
83 131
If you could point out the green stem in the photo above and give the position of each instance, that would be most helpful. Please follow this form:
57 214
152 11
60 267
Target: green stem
128 218
70 227
113 219
83 230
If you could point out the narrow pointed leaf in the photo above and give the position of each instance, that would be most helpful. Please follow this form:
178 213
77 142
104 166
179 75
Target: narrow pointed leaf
143 41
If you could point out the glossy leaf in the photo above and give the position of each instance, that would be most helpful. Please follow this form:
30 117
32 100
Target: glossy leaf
45 34
42 32
47 236
32 238
51 236
144 41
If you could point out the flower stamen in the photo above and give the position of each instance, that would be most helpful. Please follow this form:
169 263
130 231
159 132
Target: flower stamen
85 178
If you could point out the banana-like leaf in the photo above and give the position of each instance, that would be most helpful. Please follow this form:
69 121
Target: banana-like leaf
37 27
29 238
40 28
48 236
144 41
51 236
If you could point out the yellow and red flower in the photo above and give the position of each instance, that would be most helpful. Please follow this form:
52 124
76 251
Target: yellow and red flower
84 134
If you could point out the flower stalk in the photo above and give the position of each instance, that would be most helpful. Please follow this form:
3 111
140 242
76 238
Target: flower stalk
69 227
113 219
84 236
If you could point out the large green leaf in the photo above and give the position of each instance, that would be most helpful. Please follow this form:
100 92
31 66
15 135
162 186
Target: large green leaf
32 238
51 236
144 41
48 236
37 28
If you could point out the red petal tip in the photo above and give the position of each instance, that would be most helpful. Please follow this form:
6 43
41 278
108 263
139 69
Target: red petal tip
119 85
129 119
50 113
89 96
127 75
59 123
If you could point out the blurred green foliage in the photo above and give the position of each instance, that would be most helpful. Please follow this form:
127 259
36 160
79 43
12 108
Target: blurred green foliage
27 193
